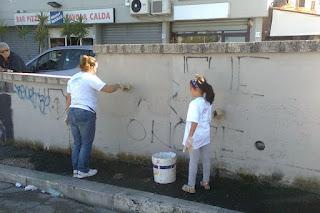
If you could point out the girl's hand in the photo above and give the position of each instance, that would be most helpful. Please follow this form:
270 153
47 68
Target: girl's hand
125 87
188 145
218 114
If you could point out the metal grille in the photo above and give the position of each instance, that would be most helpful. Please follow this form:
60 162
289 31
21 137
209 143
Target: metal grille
26 47
132 33
157 6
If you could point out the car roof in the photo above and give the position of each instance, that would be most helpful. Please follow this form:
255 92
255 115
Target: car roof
71 47
85 47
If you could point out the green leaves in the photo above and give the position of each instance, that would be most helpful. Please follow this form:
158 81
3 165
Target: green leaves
3 28
42 31
80 29
23 31
76 28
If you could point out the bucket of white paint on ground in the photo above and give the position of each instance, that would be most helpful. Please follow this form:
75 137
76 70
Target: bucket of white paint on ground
164 167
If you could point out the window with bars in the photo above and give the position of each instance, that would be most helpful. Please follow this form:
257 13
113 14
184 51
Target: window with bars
313 5
300 3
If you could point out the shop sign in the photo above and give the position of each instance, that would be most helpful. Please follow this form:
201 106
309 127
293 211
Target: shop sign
26 18
97 16
56 17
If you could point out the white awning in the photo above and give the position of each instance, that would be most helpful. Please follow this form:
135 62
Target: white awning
291 23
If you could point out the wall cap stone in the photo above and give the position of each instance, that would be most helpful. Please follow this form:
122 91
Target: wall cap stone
293 46
31 77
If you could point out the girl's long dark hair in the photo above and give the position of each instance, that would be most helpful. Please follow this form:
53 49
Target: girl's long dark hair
203 85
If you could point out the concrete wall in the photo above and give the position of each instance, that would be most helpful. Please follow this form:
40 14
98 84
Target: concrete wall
239 9
38 109
268 90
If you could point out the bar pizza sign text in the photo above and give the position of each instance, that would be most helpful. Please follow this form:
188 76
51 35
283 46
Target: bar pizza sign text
98 16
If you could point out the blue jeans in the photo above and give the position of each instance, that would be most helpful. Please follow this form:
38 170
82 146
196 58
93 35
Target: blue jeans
83 127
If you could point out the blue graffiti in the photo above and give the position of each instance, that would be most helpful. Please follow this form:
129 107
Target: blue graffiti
40 99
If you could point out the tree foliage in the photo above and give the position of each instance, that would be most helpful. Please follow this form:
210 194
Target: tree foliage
42 31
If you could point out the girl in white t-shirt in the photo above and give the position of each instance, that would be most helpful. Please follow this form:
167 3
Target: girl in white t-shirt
197 132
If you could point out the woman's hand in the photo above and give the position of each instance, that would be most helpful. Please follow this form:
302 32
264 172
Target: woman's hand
66 119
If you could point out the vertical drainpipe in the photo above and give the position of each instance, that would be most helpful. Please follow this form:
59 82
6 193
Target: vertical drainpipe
256 29
165 34
98 34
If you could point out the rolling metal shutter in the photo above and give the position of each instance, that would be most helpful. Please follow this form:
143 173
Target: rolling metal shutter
132 33
26 48
203 26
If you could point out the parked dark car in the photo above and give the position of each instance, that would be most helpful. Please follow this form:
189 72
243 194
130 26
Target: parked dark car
59 60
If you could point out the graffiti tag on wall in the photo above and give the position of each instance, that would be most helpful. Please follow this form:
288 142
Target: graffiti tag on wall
45 100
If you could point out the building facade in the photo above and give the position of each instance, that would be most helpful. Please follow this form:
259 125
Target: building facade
293 20
136 21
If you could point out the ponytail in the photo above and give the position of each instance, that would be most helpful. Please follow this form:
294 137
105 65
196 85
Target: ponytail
209 93
201 83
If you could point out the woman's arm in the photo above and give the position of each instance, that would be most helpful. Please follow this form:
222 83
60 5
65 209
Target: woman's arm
111 88
68 101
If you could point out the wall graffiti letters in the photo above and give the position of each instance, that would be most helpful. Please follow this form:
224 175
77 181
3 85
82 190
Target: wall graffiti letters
45 100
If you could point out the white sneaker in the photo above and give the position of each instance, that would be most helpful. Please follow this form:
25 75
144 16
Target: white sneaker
75 173
91 172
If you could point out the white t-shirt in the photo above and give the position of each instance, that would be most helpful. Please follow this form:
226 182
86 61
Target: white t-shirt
84 88
200 112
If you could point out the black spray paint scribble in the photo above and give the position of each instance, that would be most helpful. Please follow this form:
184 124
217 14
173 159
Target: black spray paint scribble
239 68
186 60
232 73
135 124
155 137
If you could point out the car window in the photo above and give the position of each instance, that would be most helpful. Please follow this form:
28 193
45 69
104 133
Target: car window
32 66
72 58
50 61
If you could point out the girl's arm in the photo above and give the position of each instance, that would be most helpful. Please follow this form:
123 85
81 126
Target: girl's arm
189 142
192 129
111 88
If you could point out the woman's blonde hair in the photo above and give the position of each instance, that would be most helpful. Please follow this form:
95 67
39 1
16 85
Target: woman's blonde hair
87 63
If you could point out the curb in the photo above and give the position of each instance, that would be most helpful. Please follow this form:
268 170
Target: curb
108 196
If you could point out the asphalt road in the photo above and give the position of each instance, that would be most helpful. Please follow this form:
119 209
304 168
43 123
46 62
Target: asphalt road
13 199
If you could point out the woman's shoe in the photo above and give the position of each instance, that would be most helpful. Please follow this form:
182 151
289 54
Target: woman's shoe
205 185
189 189
90 173
75 173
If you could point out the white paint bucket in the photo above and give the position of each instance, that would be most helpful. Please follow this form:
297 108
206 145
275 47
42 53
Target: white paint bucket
164 167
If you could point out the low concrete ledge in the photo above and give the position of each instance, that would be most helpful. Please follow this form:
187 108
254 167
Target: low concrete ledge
112 197
31 77
211 48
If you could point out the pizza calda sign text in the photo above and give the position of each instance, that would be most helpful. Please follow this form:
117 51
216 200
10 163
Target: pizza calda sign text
95 16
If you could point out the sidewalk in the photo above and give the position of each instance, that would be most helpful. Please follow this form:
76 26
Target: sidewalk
13 199
107 196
